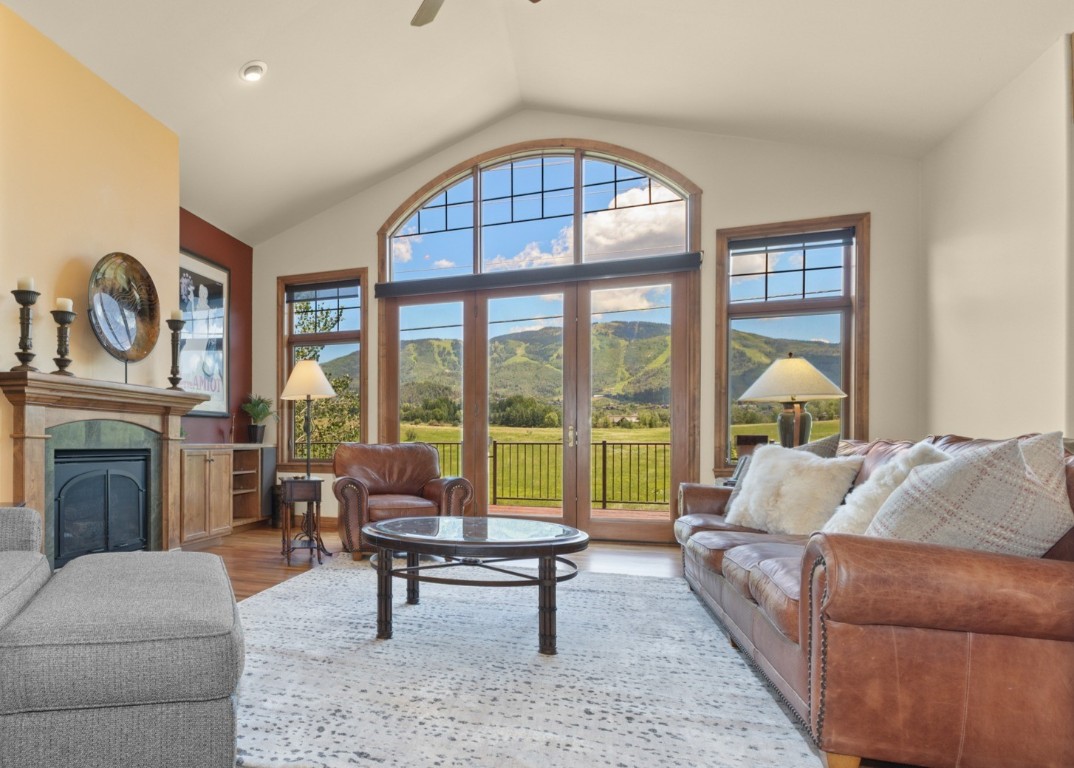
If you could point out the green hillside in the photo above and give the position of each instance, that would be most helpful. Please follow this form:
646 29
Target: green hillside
629 363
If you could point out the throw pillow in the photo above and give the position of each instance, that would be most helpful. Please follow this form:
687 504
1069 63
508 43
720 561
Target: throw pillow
789 491
826 448
863 502
1009 498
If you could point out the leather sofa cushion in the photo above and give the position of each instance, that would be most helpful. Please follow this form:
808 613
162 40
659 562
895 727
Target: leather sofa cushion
687 525
738 562
876 453
389 468
710 546
387 505
776 585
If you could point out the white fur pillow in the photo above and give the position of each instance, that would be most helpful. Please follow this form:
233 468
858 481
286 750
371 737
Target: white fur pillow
788 491
865 500
1010 497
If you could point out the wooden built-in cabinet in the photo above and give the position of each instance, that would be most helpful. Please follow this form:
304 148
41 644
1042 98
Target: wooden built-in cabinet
224 487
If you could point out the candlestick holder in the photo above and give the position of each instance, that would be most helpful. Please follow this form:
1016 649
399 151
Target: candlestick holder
63 320
26 299
176 326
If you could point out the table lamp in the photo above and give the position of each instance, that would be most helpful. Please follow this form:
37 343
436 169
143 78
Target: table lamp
792 381
307 382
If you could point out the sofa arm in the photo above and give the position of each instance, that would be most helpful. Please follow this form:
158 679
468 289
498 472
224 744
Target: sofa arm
20 529
353 497
866 580
701 499
451 494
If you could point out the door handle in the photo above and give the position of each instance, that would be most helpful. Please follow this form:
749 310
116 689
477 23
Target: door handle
572 437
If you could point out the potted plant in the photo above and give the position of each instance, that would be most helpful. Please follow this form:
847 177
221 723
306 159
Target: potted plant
258 408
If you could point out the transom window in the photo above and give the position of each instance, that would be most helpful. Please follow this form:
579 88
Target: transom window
549 208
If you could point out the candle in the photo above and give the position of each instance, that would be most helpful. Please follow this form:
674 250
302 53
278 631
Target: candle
26 283
65 305
177 314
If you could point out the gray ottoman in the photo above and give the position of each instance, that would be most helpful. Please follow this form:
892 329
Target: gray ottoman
123 660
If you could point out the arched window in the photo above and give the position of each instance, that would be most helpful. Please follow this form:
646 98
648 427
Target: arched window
546 208
539 326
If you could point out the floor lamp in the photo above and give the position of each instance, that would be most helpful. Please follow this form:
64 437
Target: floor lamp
792 381
307 382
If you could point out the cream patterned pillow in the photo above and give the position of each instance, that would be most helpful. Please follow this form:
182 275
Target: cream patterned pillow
791 491
865 500
1009 498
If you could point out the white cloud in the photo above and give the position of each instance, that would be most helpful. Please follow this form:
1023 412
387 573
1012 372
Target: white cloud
627 299
403 249
643 230
443 263
531 256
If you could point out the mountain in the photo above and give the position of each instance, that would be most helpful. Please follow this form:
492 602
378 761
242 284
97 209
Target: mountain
629 363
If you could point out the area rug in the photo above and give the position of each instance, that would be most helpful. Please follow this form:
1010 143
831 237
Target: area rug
643 677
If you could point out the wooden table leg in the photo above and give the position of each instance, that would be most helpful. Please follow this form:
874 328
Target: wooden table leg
384 593
285 532
412 578
546 603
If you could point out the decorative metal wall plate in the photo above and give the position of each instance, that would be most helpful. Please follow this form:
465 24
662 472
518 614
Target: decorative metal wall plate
123 307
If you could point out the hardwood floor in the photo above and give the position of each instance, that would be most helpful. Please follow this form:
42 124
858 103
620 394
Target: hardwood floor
254 562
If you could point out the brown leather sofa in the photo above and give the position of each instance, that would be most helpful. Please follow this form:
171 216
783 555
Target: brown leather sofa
377 482
895 650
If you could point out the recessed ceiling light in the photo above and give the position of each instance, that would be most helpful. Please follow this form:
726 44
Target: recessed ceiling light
252 71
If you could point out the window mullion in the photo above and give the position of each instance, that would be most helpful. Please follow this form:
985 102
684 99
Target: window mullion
478 195
579 159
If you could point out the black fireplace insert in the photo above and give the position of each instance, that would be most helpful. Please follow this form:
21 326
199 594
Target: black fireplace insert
101 502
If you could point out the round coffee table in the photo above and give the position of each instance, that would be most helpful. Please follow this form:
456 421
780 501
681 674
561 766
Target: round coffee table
481 542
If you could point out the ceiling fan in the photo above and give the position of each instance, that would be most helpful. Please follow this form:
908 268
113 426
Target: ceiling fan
428 9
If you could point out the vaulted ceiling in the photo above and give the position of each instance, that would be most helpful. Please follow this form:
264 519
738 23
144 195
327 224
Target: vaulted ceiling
353 93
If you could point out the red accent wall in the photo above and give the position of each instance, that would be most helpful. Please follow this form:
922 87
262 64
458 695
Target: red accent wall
201 238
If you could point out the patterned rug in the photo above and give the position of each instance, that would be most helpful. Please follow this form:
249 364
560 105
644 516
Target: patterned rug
643 677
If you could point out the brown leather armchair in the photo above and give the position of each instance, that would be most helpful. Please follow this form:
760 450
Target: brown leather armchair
377 482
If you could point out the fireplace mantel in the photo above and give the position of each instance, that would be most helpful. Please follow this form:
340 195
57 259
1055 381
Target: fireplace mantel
43 400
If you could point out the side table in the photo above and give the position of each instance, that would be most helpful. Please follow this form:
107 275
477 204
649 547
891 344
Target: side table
309 537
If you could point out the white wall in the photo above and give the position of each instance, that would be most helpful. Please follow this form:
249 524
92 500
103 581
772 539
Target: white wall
996 215
744 182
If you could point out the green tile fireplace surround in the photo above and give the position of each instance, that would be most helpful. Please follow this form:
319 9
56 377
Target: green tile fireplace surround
51 413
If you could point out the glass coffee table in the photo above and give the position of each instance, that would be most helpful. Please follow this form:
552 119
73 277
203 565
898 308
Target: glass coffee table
476 542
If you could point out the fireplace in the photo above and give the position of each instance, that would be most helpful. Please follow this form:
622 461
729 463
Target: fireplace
60 413
101 502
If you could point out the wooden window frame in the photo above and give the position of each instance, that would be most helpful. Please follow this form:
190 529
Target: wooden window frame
853 304
687 408
284 354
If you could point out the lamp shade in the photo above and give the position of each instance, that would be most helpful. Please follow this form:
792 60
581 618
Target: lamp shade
791 379
307 380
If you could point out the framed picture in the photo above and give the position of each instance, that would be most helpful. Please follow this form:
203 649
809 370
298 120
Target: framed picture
203 342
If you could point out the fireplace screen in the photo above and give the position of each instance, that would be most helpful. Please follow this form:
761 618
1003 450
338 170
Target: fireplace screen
100 502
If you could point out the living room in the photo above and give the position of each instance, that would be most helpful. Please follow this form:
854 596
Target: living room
960 154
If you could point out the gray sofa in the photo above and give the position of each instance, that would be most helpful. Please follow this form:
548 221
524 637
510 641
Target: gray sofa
117 659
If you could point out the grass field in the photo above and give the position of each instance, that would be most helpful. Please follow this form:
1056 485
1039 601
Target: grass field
633 472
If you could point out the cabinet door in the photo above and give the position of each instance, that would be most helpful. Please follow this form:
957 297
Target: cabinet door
219 492
194 509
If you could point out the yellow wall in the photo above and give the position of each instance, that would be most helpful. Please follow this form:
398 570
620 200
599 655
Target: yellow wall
83 172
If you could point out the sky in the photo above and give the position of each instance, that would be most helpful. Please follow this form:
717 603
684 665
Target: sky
626 214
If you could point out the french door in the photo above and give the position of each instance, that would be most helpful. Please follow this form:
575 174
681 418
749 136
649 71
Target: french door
564 402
